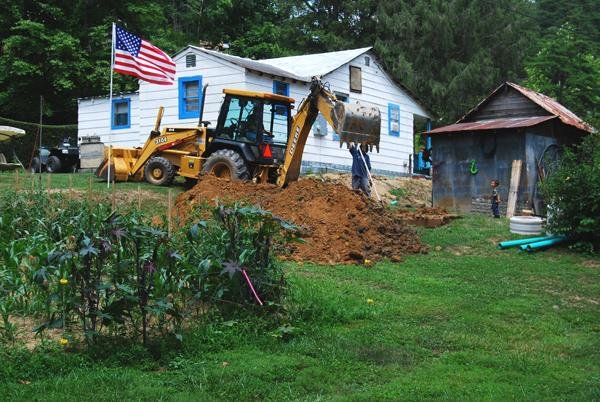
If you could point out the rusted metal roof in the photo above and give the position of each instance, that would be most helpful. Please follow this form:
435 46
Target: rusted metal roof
545 102
552 106
492 124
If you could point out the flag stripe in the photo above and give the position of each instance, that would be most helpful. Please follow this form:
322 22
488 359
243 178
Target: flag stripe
137 57
142 64
133 72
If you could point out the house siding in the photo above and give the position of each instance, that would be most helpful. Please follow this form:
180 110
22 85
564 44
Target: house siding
93 120
322 152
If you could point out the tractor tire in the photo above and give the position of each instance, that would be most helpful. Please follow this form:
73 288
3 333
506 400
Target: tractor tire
159 171
36 166
54 165
226 163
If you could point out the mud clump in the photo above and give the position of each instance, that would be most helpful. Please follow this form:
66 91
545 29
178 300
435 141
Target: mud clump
426 217
338 225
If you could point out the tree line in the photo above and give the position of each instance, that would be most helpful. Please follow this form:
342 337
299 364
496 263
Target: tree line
448 53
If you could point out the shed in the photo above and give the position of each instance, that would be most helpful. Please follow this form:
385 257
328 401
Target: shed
353 75
512 123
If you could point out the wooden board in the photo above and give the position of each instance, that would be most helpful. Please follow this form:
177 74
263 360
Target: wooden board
515 177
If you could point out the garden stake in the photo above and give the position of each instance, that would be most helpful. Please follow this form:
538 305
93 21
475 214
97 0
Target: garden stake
251 287
113 204
90 191
169 213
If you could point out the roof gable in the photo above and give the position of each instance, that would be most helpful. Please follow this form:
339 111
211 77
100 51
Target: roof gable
317 64
539 105
301 68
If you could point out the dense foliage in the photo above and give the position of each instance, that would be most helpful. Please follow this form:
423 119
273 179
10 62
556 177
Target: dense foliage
78 267
450 54
573 194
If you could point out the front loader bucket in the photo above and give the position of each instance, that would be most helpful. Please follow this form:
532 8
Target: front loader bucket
121 161
358 123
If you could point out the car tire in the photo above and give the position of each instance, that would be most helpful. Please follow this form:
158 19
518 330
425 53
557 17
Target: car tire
226 163
54 165
36 166
159 171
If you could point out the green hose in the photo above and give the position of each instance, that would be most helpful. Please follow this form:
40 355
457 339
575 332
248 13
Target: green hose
473 168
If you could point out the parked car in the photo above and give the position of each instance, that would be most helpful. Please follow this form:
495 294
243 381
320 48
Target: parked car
63 158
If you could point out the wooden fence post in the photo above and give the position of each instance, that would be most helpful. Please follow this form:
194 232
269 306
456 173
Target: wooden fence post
515 178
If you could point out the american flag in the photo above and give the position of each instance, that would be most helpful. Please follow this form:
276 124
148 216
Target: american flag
137 57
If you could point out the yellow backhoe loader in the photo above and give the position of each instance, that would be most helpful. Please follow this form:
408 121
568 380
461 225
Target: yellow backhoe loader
256 138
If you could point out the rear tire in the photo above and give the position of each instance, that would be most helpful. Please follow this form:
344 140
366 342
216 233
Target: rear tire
53 165
36 166
159 171
226 163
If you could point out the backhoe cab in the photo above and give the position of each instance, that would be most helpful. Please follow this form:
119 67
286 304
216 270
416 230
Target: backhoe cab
255 138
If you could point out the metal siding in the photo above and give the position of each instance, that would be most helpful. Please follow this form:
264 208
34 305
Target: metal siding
454 186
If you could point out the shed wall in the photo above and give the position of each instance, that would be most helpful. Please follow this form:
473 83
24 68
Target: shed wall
454 186
509 103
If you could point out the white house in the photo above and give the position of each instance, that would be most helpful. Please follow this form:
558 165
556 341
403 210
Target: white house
353 75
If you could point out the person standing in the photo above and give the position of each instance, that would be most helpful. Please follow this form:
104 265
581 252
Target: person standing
495 198
360 175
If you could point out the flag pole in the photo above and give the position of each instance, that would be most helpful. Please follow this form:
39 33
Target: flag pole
110 96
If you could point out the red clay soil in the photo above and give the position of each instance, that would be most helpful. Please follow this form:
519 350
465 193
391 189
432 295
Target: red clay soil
425 216
339 225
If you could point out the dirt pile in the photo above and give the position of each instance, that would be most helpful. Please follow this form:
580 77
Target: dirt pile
340 225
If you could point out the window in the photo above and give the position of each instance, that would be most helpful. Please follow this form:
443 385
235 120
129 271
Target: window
189 97
355 79
190 60
367 61
394 119
281 88
121 112
342 97
276 122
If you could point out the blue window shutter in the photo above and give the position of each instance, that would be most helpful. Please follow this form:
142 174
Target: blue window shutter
118 103
394 117
183 82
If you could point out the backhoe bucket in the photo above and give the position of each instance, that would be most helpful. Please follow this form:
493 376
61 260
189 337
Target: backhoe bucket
358 123
121 161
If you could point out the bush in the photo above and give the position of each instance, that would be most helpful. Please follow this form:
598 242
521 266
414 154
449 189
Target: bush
573 192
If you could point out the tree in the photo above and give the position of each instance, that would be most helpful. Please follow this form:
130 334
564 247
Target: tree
566 69
453 53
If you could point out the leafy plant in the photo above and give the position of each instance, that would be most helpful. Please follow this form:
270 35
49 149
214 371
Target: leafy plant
573 191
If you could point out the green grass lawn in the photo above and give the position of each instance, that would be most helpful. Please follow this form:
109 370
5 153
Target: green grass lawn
466 321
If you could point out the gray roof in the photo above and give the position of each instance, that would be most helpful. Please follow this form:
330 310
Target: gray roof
301 68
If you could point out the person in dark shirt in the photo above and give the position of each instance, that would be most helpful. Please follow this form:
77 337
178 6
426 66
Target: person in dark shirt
495 198
360 176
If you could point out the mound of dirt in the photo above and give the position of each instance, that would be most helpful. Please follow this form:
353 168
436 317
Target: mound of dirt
340 226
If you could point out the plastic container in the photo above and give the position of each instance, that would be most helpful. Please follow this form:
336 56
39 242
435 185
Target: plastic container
526 225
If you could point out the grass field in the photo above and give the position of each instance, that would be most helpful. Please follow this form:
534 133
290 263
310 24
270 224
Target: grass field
464 322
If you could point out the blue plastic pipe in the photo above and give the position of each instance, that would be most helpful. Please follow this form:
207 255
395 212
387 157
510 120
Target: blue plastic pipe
512 243
543 244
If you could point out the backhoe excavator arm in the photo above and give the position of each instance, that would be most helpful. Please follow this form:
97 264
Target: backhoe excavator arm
352 122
